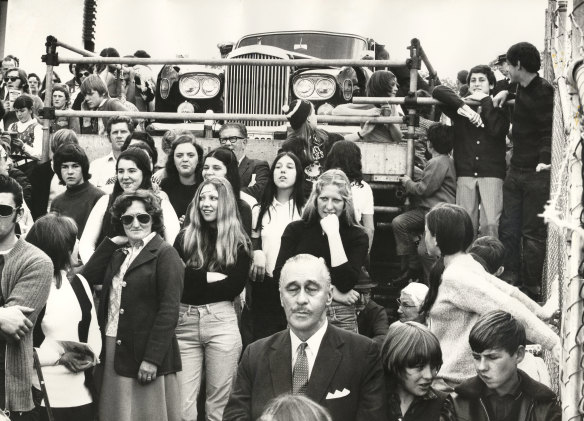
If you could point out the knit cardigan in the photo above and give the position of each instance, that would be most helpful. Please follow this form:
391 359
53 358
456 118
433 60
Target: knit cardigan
466 293
26 281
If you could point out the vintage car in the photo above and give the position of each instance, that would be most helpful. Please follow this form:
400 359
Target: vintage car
264 89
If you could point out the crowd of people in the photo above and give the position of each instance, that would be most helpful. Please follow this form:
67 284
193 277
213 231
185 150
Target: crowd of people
225 288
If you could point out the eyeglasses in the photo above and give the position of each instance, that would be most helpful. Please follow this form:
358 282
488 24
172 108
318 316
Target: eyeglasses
232 139
399 301
86 74
142 218
6 210
11 78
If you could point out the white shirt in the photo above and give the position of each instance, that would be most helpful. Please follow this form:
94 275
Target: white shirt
312 346
103 172
362 200
272 228
61 323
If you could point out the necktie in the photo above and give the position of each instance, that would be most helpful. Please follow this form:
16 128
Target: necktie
300 374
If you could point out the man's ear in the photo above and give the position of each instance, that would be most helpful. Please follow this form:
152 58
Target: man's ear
499 271
329 299
18 215
520 353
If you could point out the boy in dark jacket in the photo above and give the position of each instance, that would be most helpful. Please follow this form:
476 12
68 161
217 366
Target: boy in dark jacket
500 392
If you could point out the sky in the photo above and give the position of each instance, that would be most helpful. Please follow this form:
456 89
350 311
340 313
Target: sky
456 34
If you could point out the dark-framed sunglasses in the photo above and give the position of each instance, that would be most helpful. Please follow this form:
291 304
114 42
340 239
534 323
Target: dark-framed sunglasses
11 78
86 74
7 210
142 218
232 139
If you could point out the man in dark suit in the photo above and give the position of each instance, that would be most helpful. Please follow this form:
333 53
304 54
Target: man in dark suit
253 173
338 369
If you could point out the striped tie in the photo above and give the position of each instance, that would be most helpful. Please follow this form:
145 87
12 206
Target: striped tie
300 375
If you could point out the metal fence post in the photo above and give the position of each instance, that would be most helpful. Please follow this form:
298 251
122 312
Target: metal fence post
51 58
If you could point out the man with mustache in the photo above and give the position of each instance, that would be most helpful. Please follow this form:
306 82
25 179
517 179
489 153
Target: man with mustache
336 368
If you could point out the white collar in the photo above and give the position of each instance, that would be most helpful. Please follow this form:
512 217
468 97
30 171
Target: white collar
313 342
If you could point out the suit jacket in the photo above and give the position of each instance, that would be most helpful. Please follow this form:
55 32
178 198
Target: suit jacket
373 323
261 169
150 301
345 362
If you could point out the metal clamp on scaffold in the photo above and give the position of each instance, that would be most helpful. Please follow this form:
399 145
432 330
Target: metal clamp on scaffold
52 57
412 120
47 113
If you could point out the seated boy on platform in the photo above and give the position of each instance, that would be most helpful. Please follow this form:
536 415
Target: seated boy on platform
500 391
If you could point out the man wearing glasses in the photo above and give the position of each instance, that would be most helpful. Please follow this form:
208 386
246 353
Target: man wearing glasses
26 280
253 173
9 62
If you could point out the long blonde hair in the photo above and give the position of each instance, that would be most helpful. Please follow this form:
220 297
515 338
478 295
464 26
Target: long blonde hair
200 249
336 178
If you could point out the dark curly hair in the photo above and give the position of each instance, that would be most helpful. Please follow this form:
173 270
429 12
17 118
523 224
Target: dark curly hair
346 156
151 202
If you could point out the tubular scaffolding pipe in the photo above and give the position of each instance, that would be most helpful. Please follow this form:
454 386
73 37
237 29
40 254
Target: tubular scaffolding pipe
432 73
77 50
223 116
410 101
234 61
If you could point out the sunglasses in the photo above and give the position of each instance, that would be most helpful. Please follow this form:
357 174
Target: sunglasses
6 210
83 74
11 78
232 139
142 218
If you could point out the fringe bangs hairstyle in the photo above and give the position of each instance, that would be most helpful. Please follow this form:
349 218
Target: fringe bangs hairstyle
55 235
289 407
336 178
409 345
452 227
271 190
215 248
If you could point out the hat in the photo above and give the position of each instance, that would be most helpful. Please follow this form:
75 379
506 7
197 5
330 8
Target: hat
297 112
416 291
364 281
501 59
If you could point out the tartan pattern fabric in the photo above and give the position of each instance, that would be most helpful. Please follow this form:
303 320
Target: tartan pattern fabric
300 373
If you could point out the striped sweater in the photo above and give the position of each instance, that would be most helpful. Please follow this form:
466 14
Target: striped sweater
26 281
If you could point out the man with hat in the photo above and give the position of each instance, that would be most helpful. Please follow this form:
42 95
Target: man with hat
504 84
371 317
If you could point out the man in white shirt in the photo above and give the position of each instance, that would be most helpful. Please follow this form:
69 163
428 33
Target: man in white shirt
103 170
338 369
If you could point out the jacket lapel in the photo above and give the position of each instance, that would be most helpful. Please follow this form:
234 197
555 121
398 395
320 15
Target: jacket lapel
147 254
244 168
327 362
280 361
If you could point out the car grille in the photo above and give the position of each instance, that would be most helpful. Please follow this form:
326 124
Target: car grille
256 89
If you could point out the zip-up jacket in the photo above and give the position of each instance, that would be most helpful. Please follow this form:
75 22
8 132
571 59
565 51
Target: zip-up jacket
468 402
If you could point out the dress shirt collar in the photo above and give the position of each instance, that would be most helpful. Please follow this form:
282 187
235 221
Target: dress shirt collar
143 242
313 345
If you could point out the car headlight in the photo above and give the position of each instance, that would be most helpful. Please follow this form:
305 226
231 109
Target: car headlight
200 86
314 87
164 88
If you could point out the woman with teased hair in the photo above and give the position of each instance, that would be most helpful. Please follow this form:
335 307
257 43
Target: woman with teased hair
328 229
461 291
411 358
282 203
217 254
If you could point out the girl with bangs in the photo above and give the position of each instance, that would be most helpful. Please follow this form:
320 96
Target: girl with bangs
282 203
217 254
328 229
411 358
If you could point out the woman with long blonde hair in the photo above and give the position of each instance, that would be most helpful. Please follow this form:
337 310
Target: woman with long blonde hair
217 254
328 229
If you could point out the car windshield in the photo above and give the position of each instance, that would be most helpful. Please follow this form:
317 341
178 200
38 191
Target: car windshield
324 46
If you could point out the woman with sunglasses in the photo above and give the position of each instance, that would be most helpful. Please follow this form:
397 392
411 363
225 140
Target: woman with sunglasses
411 358
142 278
217 254
69 316
134 172
281 204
